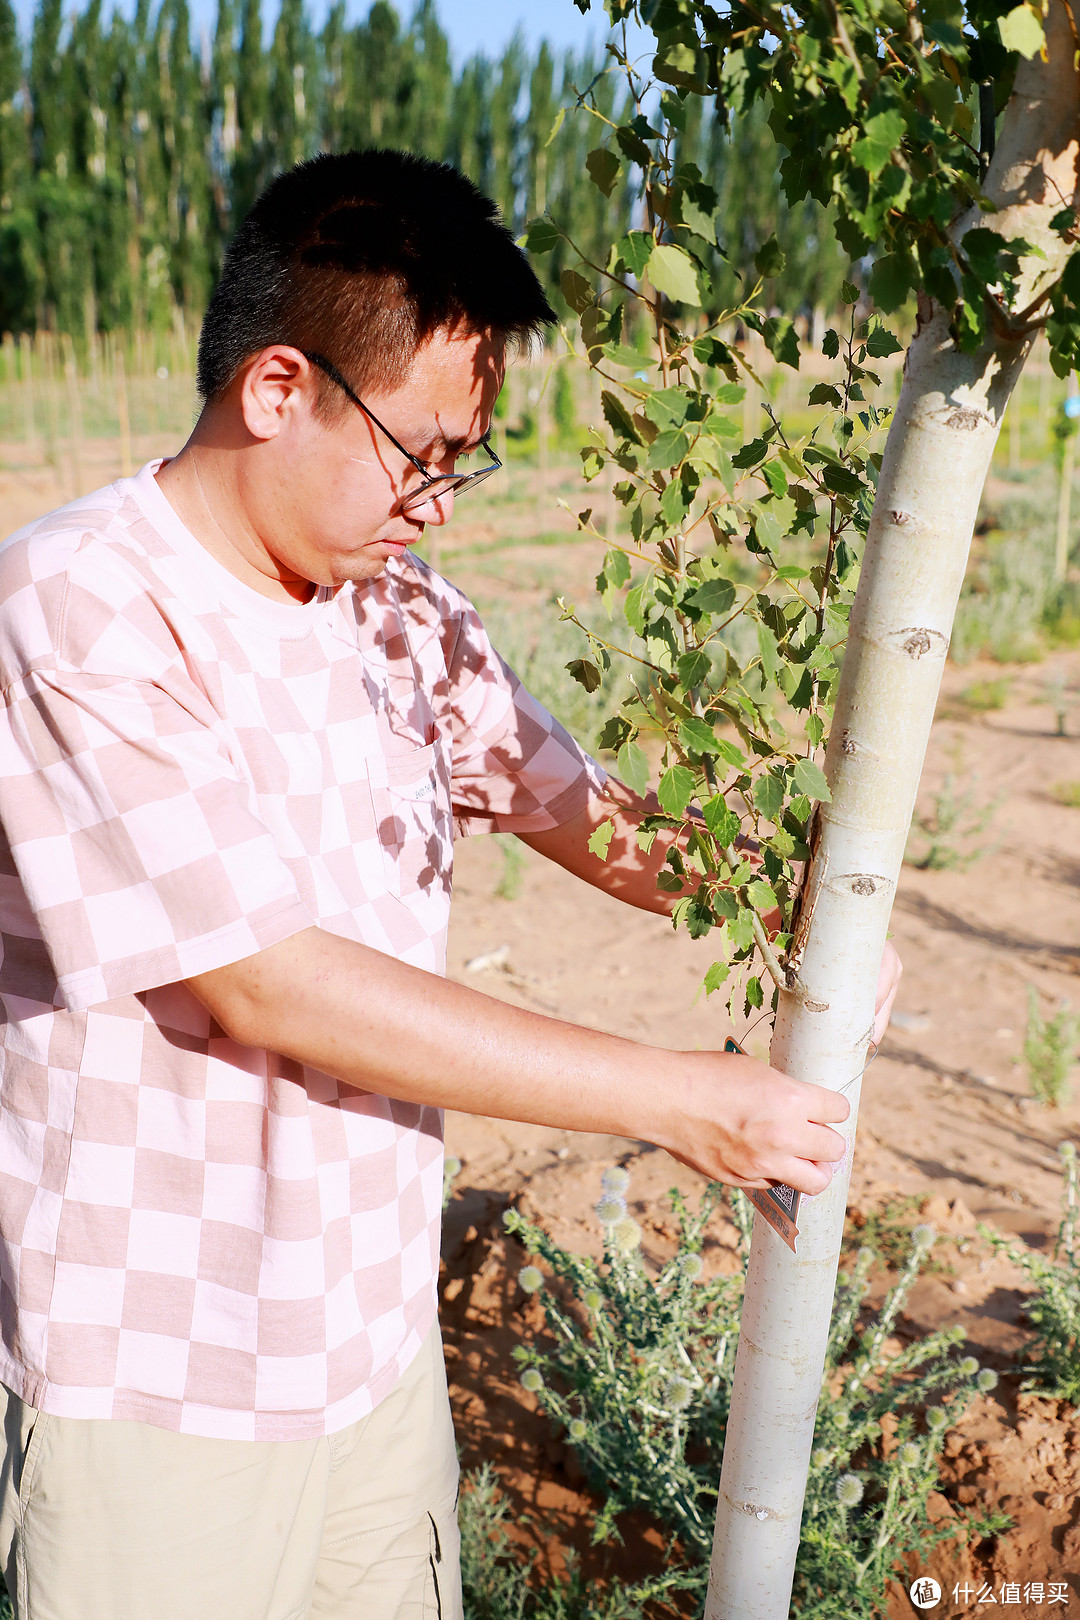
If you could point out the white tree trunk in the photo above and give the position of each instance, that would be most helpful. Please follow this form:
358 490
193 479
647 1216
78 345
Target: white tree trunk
935 465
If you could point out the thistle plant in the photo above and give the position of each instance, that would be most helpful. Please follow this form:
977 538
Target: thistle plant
638 1376
1052 1363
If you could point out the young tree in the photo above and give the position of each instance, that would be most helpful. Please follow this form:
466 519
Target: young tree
736 576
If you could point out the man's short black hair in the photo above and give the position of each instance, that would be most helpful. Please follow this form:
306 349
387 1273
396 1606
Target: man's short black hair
361 256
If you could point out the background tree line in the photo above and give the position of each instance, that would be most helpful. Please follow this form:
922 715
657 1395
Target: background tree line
130 148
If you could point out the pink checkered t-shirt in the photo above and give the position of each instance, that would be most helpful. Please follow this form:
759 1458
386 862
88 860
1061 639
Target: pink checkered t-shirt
193 1233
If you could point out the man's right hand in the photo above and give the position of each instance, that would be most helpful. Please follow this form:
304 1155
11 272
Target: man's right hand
383 1026
738 1121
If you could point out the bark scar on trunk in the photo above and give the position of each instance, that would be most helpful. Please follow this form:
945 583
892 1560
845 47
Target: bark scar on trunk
917 641
863 883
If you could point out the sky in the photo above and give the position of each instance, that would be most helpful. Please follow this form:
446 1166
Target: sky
471 25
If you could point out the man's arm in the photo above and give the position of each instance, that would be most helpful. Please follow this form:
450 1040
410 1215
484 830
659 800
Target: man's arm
383 1026
629 873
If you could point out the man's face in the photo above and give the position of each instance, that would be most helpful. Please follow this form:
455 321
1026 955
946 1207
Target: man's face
325 493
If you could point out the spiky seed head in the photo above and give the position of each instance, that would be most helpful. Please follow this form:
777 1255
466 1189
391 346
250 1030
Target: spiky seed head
922 1236
1067 1150
531 1380
451 1165
678 1394
849 1490
819 1457
865 1256
577 1430
909 1455
937 1419
691 1266
530 1279
841 1417
610 1208
987 1380
625 1235
968 1367
615 1179
592 1299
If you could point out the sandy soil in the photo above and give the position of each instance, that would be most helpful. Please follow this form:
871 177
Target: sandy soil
946 1121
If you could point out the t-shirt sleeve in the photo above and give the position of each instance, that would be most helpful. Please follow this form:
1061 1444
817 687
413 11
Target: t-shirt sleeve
516 769
136 840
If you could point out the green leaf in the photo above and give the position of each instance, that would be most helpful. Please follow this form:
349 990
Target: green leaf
890 282
696 219
782 340
714 596
755 995
556 126
698 735
723 823
634 250
667 450
586 672
633 767
693 668
668 407
617 417
882 134
613 733
637 600
815 729
774 476
675 790
769 259
881 342
576 291
1022 30
810 779
830 344
600 839
750 454
617 567
769 796
603 165
673 273
730 753
715 977
541 236
824 394
840 480
760 896
849 294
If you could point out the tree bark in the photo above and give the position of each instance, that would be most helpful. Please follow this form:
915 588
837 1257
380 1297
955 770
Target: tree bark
936 460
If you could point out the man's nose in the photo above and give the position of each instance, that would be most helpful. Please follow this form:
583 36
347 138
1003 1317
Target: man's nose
437 508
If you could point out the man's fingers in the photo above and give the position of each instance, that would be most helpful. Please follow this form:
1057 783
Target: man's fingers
825 1106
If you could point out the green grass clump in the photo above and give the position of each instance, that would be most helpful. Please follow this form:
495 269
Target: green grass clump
1067 793
1049 1049
1052 1363
638 1376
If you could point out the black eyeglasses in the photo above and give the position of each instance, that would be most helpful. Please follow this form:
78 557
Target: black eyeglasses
431 487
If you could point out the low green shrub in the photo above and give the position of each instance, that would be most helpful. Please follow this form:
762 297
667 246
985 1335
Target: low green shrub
1051 1365
943 838
1067 793
1049 1051
982 696
639 1375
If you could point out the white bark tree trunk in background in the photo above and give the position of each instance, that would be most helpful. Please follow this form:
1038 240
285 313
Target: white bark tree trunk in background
936 461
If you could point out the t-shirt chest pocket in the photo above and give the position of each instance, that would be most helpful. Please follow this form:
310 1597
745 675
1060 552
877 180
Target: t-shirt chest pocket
410 796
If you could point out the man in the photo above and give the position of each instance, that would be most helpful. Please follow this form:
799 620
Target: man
240 720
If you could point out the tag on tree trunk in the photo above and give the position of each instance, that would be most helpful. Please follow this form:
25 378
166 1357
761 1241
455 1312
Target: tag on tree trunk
780 1204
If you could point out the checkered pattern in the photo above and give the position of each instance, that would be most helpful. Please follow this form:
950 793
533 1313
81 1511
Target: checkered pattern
196 1234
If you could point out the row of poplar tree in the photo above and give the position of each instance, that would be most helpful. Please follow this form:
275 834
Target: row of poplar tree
130 148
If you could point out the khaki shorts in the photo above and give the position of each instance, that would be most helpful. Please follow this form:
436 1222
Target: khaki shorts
103 1520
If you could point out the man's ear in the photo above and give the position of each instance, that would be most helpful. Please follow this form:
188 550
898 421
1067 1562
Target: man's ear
274 384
